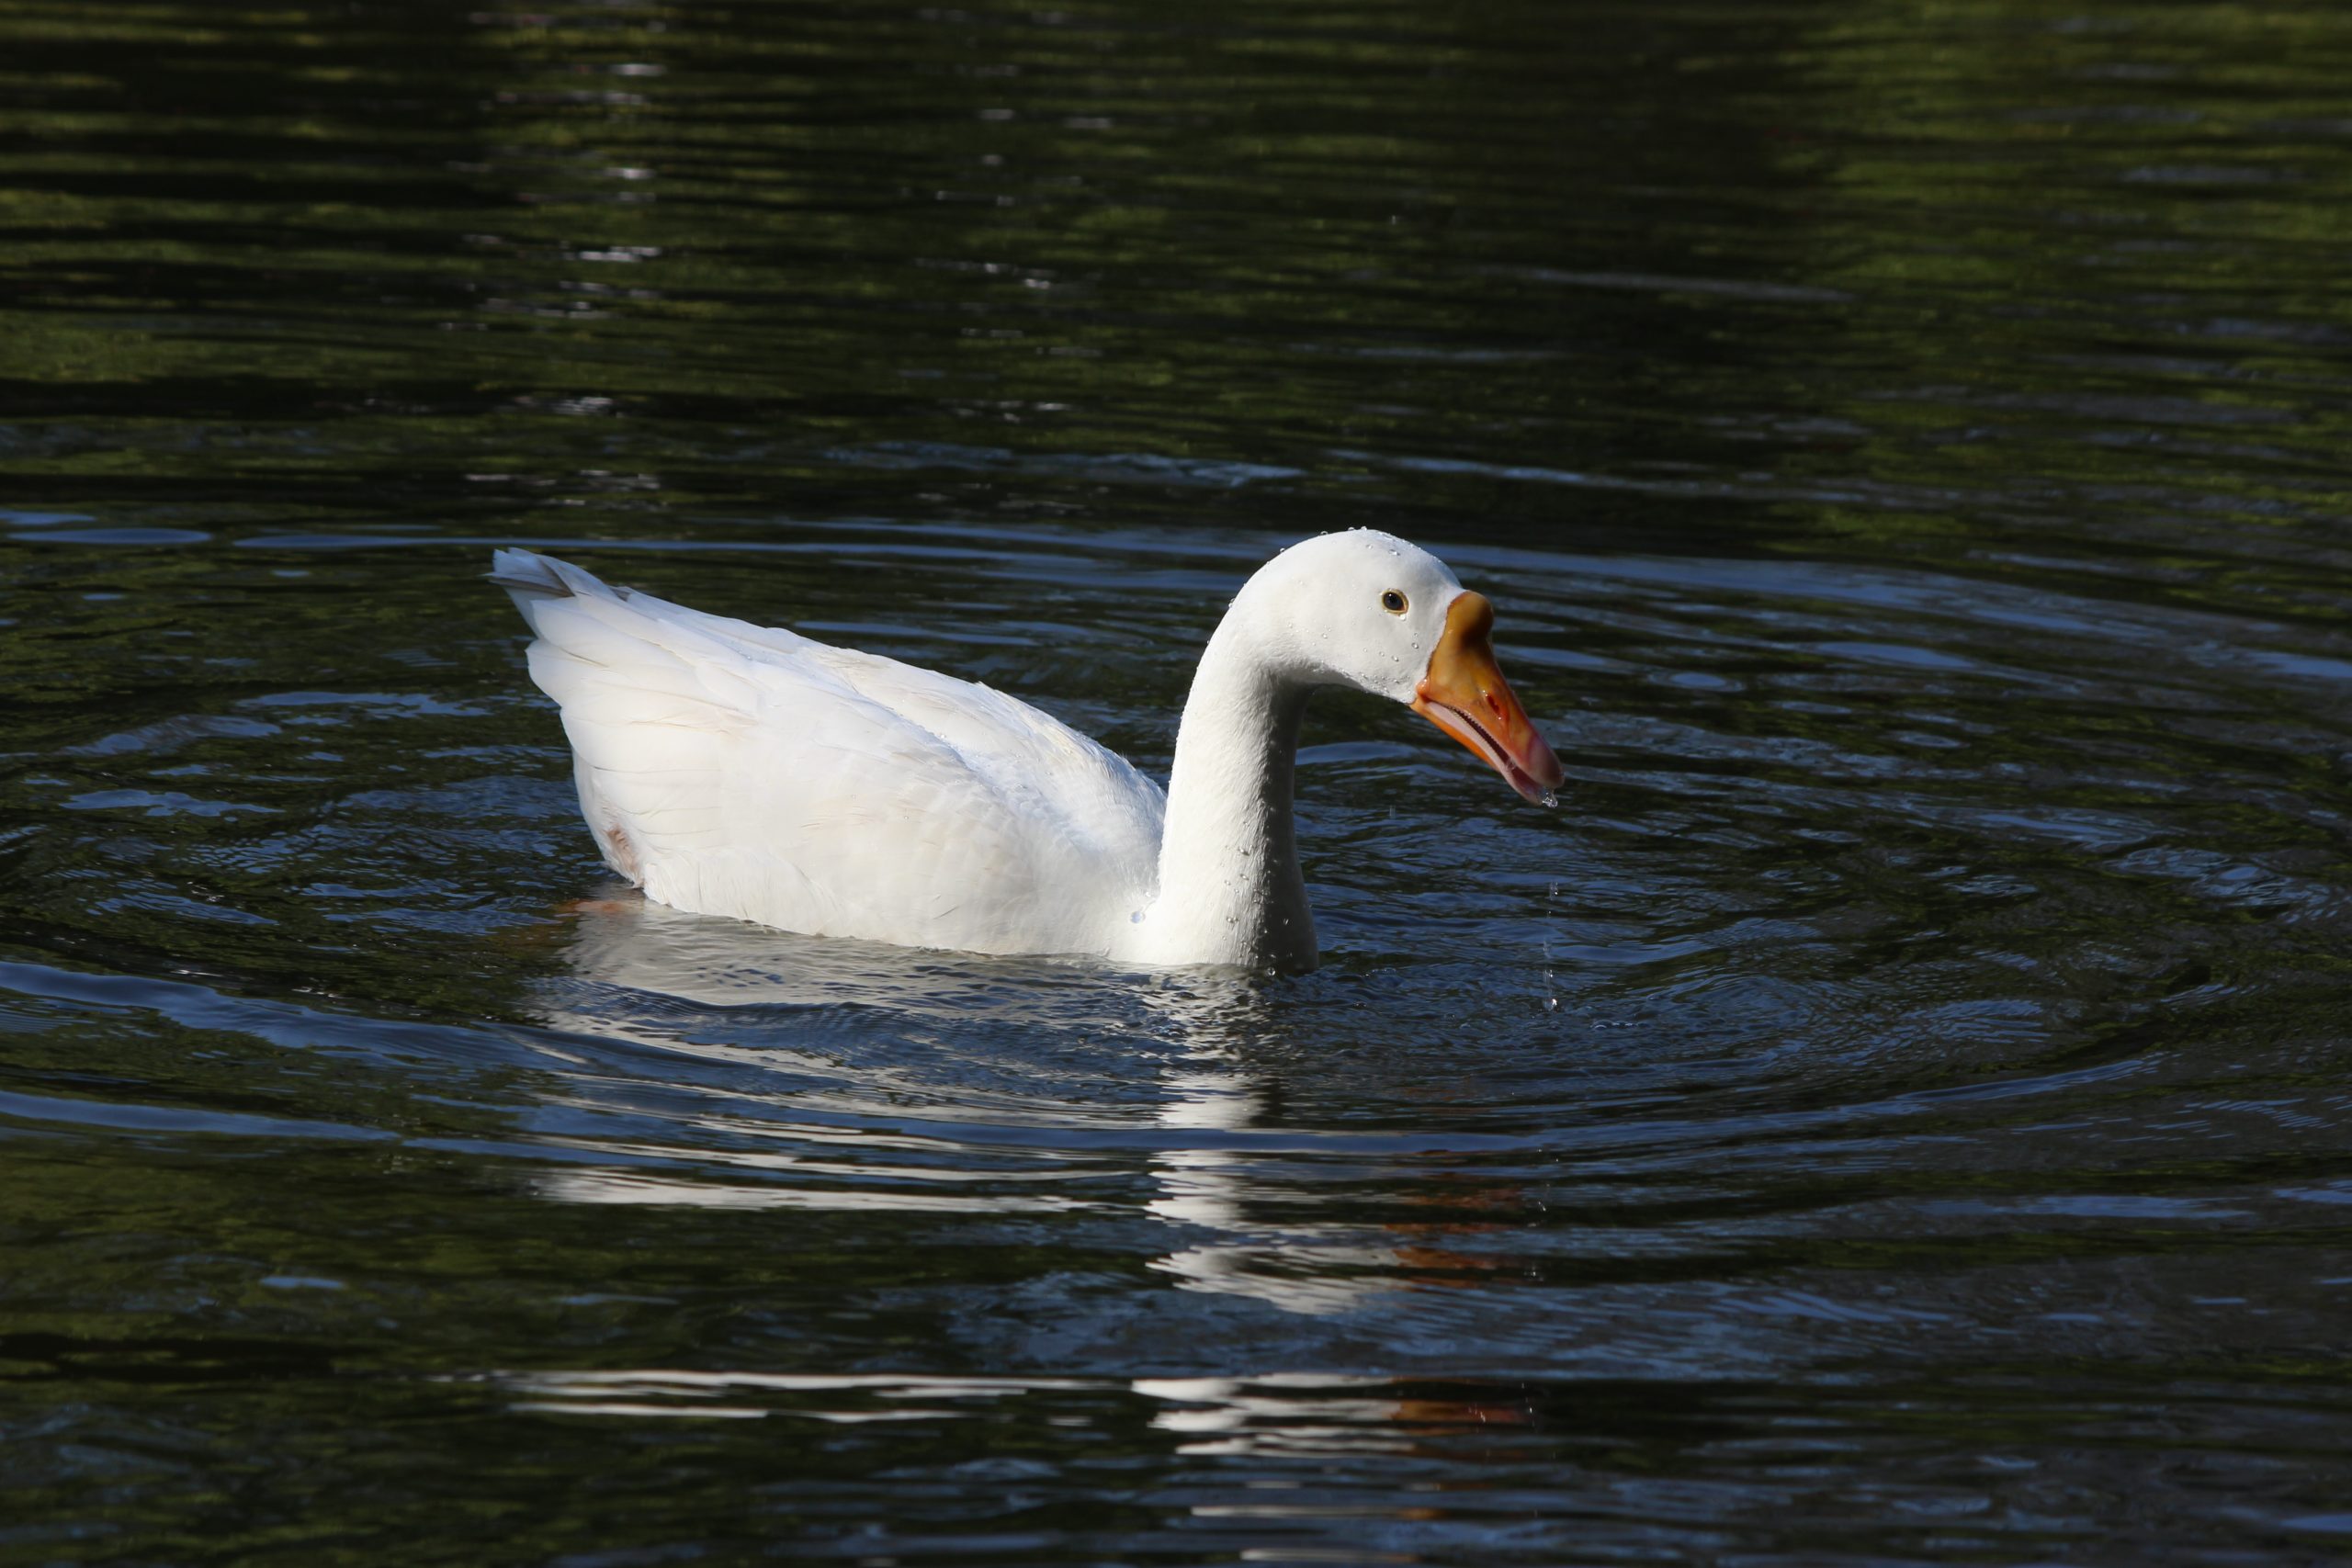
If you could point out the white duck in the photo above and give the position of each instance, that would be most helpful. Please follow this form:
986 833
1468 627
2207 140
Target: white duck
747 771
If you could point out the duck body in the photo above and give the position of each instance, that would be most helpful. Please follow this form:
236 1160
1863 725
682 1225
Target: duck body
746 770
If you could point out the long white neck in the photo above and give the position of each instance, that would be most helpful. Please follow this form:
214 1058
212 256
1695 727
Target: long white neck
1229 887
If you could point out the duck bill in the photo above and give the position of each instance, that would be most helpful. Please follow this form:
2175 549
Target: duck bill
1464 694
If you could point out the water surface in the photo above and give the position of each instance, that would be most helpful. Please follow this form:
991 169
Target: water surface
1897 1110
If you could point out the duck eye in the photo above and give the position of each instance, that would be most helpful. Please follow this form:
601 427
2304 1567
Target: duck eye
1393 601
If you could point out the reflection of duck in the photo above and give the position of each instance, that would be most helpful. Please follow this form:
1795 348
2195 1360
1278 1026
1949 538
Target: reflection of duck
746 770
1243 1225
1252 1226
800 1072
1257 1220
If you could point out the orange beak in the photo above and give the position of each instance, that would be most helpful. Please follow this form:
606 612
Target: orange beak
1464 694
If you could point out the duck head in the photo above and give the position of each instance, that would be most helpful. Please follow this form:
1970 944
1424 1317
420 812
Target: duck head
1369 610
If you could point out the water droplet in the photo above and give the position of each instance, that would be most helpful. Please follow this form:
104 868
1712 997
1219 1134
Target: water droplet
1552 798
1551 1004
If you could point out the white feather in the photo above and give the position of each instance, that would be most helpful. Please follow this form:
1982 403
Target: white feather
747 771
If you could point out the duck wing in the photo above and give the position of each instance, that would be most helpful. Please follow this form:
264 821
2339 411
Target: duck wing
740 770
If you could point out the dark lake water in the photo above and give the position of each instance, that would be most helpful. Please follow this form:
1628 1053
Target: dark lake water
1898 1110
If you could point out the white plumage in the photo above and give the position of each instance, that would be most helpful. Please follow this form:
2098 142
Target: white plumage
747 771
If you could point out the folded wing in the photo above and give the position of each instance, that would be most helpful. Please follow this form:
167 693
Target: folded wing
747 771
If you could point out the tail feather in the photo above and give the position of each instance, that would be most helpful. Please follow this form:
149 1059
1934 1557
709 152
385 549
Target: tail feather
520 572
652 709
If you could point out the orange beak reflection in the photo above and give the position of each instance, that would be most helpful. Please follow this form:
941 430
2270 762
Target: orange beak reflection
1464 694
